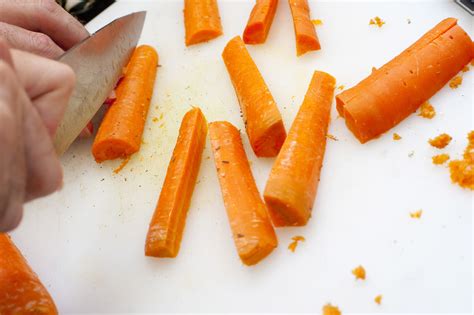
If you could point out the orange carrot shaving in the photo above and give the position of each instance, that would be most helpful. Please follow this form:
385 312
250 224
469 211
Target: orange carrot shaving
396 137
294 244
167 225
465 69
378 299
440 158
21 292
329 309
377 21
122 165
332 137
260 21
202 21
388 95
416 214
263 121
253 232
359 272
462 171
293 181
455 82
305 34
341 87
427 110
121 130
317 22
440 141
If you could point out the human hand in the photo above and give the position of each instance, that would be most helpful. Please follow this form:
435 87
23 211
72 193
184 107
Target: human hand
34 92
39 26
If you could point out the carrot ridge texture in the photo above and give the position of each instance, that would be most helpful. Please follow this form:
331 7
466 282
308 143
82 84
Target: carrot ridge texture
120 133
292 185
260 21
305 33
167 224
21 292
252 230
202 21
262 118
389 94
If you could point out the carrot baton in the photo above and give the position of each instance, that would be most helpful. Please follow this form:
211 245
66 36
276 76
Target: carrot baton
291 188
21 292
260 21
120 133
201 21
393 92
305 34
262 118
252 230
167 225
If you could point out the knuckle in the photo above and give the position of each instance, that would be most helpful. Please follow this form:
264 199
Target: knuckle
42 42
48 6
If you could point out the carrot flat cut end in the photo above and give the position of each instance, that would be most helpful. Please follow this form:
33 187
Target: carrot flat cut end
254 34
202 36
160 249
253 254
305 44
271 141
283 214
110 149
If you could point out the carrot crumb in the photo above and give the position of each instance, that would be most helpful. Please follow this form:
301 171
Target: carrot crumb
341 87
440 141
396 136
374 69
427 110
294 244
462 171
155 119
332 137
465 69
359 272
378 299
377 21
122 165
329 309
317 22
440 158
416 214
455 82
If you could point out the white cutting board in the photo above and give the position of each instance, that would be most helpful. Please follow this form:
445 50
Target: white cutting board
86 242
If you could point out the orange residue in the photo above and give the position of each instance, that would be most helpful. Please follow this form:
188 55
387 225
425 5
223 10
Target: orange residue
359 272
332 137
377 21
155 119
374 69
440 158
462 171
427 110
317 22
294 244
396 136
378 299
122 165
465 69
455 82
416 214
440 141
341 87
329 309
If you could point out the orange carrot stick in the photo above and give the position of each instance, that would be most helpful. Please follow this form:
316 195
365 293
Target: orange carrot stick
293 182
21 292
120 133
253 233
167 225
391 93
260 21
262 118
305 34
201 21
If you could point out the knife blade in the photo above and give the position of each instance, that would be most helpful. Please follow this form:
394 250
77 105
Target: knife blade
97 62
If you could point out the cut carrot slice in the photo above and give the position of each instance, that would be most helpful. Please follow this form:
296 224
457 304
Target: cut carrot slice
120 133
253 233
260 21
167 225
201 21
262 118
305 33
293 182
391 93
21 292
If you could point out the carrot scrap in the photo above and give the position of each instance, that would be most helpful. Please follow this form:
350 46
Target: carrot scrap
396 137
202 21
462 171
292 185
167 224
341 87
440 158
359 272
305 34
378 299
377 21
122 165
252 230
121 130
260 21
294 244
416 214
262 118
332 137
410 79
329 309
455 82
465 69
317 22
427 110
21 292
440 141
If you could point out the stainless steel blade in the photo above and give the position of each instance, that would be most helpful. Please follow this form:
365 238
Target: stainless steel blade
98 62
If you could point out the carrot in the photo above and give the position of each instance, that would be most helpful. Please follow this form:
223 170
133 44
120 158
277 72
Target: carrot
167 225
253 233
260 21
262 118
292 185
201 21
120 133
305 33
21 292
388 95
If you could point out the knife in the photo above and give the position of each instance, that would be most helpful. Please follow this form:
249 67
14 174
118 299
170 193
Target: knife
97 62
